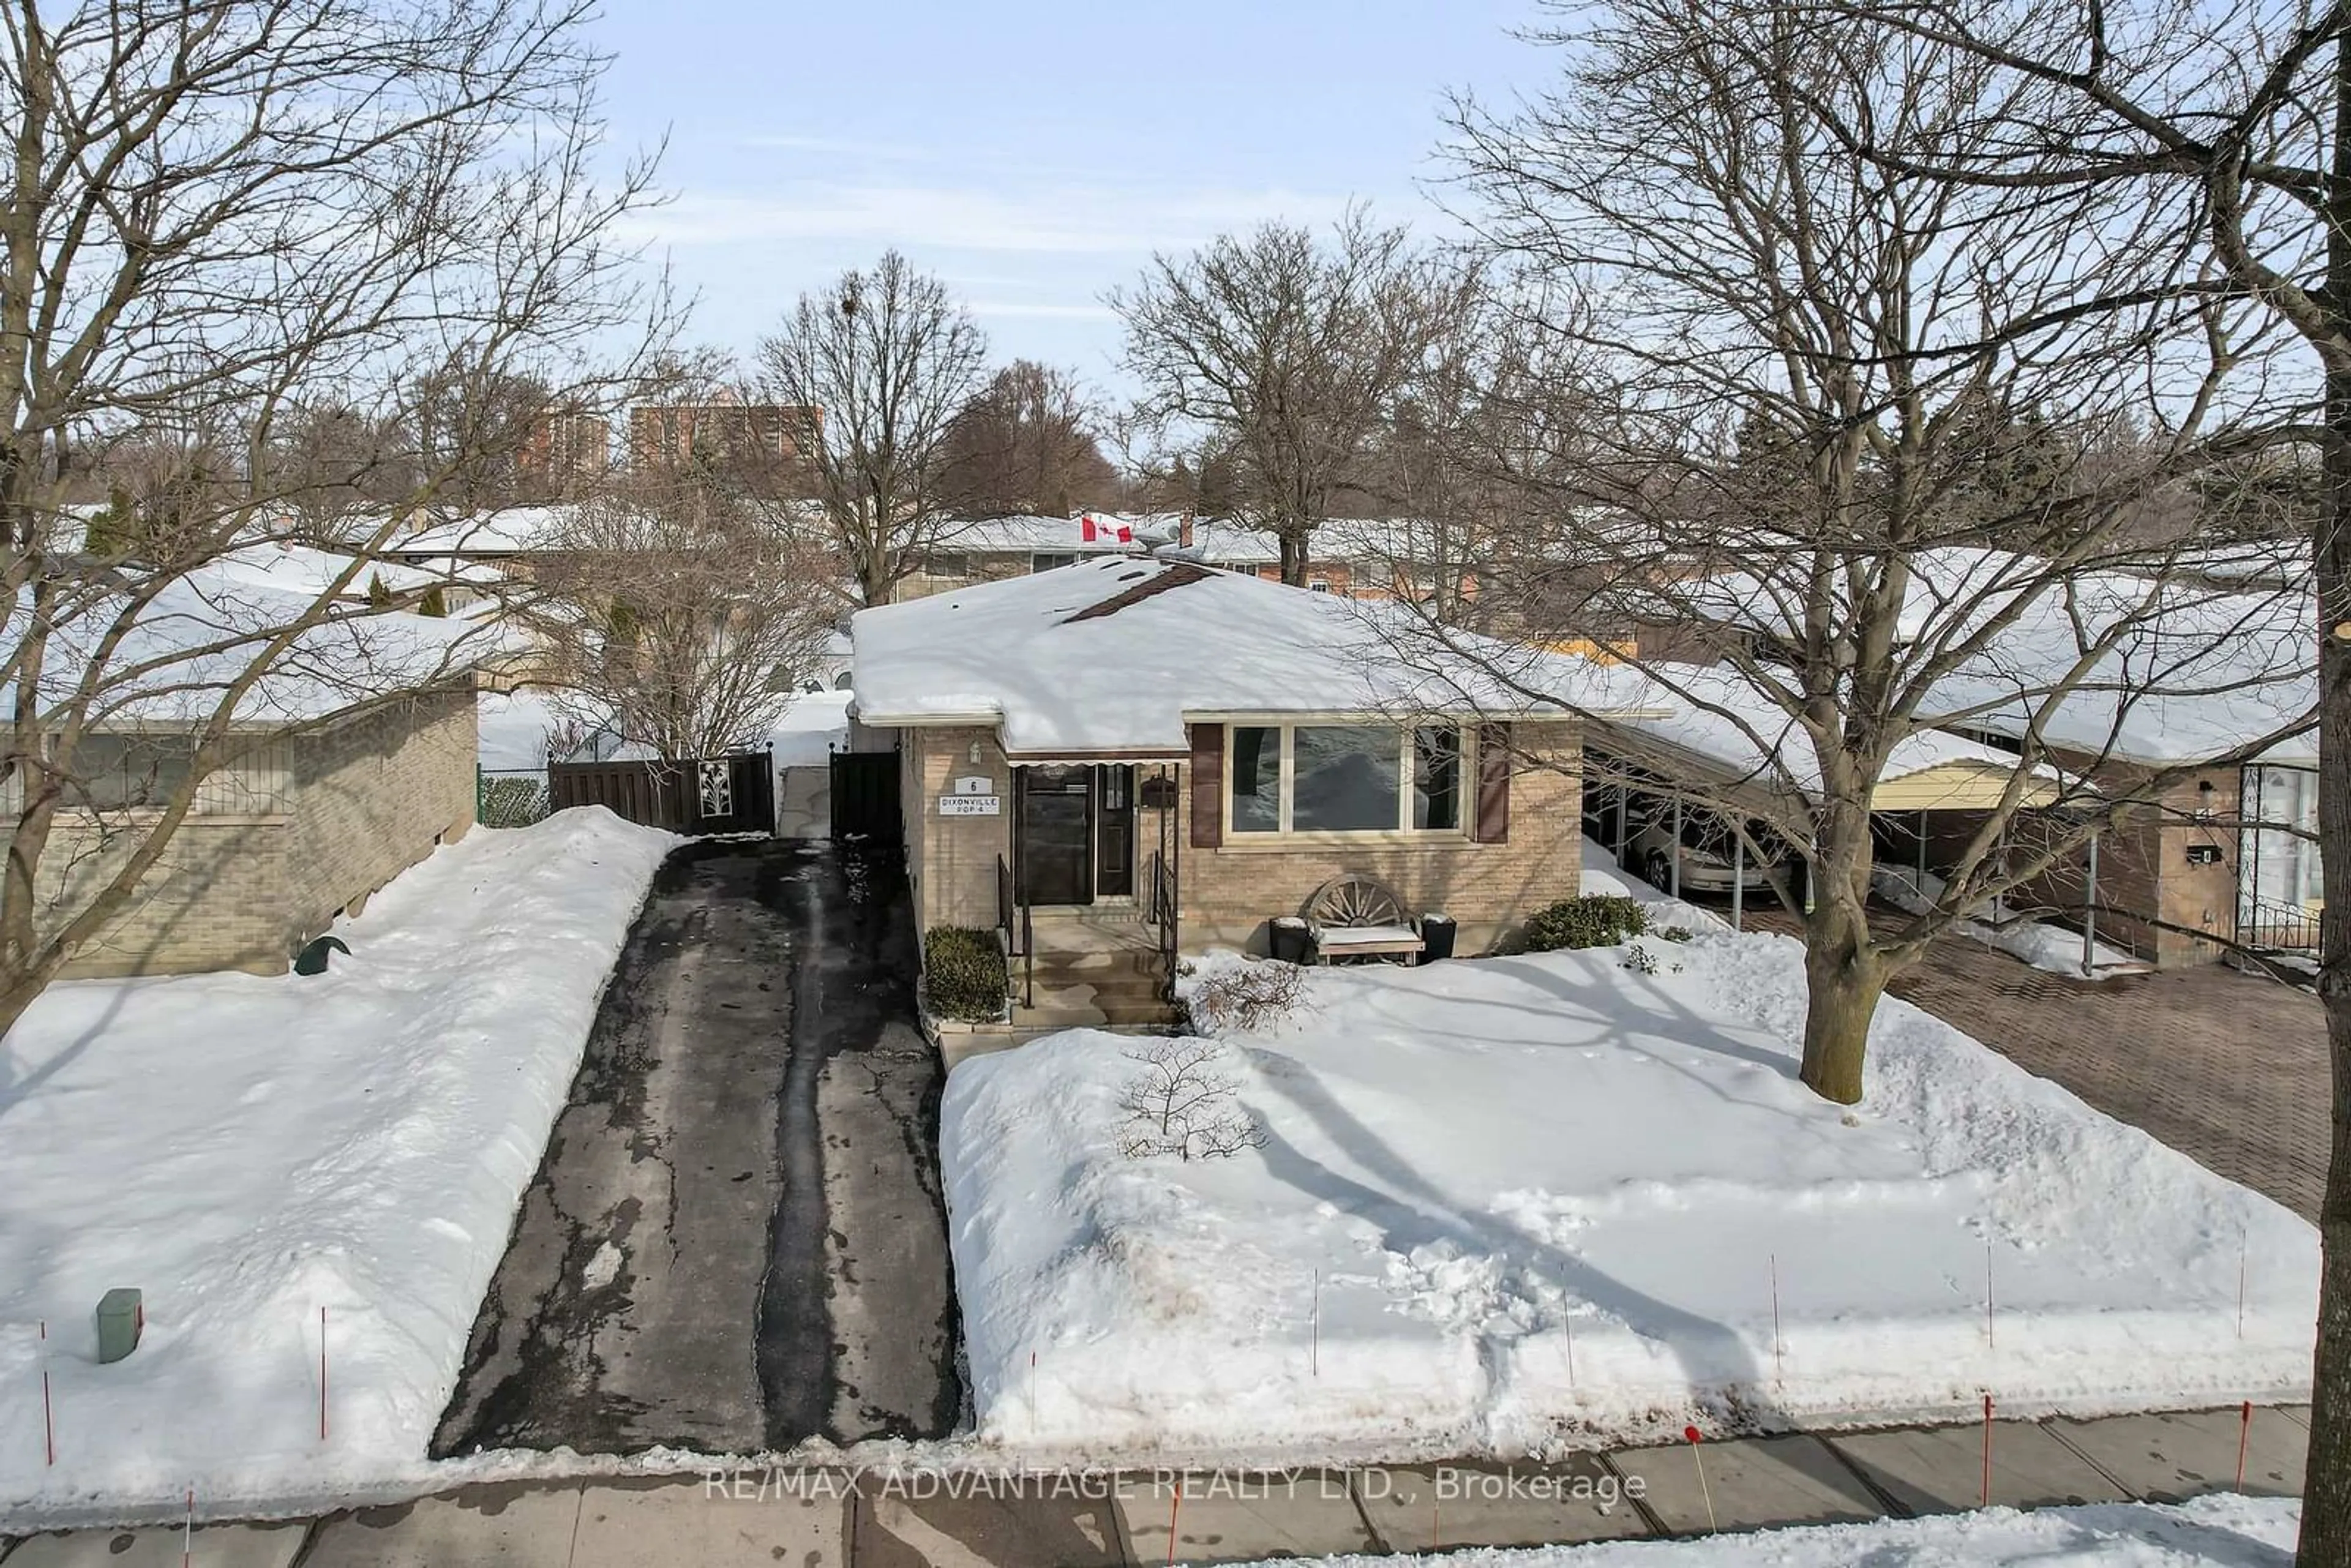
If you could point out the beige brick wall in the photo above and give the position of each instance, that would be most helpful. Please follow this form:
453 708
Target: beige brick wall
1227 895
368 797
216 900
371 798
952 858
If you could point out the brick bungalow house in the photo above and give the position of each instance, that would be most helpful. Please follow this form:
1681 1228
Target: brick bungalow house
1134 757
354 758
1353 558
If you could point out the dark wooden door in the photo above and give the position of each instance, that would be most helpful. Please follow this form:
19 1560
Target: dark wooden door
1057 862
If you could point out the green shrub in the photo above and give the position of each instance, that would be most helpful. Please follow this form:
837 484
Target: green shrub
1599 920
434 603
1676 934
964 973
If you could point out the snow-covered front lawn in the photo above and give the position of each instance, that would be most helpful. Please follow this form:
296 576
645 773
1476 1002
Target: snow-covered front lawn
1513 1201
2223 1531
250 1150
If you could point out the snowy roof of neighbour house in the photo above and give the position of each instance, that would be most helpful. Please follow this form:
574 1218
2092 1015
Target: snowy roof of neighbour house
2195 670
1112 655
201 632
1055 536
507 530
1722 719
305 568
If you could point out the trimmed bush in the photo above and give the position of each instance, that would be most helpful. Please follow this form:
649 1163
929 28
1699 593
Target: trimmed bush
1598 920
963 974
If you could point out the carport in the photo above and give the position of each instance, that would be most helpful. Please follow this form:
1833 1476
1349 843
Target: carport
1705 774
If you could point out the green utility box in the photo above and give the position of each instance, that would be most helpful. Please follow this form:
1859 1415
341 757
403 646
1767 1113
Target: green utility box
121 1318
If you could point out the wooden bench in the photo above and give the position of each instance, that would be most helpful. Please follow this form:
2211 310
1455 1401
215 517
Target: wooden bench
1359 917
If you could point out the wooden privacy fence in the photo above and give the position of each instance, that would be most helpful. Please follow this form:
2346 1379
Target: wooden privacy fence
731 794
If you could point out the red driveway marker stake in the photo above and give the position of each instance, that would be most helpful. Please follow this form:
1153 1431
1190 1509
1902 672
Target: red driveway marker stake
1173 1505
1570 1354
1987 1475
2244 1436
188 1533
1704 1490
48 1410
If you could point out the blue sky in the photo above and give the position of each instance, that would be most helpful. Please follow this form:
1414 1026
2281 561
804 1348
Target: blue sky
1033 152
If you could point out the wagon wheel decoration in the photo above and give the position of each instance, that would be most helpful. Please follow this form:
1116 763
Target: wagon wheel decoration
1345 901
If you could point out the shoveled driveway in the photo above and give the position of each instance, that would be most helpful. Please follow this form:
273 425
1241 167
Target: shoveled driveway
2226 1067
736 1239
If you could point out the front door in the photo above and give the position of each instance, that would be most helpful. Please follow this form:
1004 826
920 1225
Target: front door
1057 862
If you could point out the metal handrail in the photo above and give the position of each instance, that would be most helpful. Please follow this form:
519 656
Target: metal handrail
2272 923
1162 914
1019 934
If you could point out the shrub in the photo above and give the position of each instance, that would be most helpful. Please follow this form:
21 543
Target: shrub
1183 1103
1245 996
1598 920
1641 961
1676 934
964 973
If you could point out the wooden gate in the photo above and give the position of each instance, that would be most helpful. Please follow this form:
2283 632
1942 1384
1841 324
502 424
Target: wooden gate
865 795
731 794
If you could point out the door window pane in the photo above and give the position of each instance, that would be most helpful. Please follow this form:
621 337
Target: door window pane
1257 779
1347 779
1436 777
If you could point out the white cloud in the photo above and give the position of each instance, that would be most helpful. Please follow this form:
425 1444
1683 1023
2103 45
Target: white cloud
1069 221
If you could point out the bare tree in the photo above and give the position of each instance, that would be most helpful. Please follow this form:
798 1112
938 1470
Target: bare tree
1026 445
676 619
219 213
1183 1103
1285 358
887 358
1764 387
2223 126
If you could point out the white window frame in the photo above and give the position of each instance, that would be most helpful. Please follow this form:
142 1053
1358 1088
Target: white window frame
1285 836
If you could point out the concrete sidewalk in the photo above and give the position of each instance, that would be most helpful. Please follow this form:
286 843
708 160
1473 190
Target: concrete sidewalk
830 1518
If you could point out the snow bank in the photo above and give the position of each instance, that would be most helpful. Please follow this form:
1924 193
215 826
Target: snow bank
811 729
2224 1532
2048 947
1518 1202
250 1150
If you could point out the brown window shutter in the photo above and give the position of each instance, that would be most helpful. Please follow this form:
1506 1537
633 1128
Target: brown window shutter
1207 786
1493 825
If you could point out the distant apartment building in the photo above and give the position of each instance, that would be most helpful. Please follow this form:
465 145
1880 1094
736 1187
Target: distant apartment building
672 434
560 447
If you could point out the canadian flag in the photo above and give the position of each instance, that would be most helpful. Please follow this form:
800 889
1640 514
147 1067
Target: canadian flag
1095 532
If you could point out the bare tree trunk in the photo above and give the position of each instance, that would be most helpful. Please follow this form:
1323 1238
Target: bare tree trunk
1293 555
2327 1479
1843 980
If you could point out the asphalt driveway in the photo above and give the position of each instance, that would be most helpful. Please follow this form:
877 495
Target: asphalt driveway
736 1238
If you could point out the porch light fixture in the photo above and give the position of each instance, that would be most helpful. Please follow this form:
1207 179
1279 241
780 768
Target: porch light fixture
975 755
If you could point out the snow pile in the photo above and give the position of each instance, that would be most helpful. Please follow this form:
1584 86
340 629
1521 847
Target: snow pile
250 1150
2050 948
2223 1531
1511 1202
811 729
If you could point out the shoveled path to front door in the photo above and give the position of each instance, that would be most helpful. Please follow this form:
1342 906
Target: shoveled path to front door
736 1239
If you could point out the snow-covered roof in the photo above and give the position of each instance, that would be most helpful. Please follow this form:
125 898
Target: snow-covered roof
507 530
1056 536
1719 718
2195 670
1114 655
202 631
305 568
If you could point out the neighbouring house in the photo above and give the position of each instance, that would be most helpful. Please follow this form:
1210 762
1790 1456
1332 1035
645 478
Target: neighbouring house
2185 698
355 756
1353 558
1132 758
